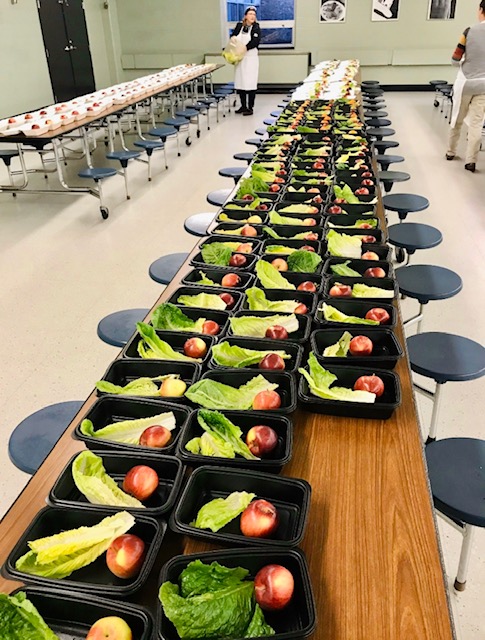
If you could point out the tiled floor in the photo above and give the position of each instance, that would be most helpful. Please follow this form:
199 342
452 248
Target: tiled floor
63 268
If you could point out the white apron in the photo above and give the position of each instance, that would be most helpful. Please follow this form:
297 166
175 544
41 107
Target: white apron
457 96
246 75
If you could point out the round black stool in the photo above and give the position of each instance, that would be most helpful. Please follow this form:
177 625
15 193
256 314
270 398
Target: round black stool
257 142
386 160
412 237
218 197
34 438
375 113
404 203
443 357
378 122
436 84
247 157
6 155
232 172
164 269
380 132
372 107
373 93
198 224
382 145
456 472
388 178
424 283
370 83
117 328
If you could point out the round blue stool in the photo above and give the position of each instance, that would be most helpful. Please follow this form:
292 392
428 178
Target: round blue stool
424 283
257 142
276 113
164 269
404 203
412 237
269 121
261 131
98 174
456 469
444 357
34 438
380 132
218 197
187 113
176 122
385 160
232 172
123 158
150 146
117 328
388 178
163 132
198 224
247 157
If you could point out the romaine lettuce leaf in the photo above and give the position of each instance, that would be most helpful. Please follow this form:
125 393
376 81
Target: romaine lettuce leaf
217 253
343 245
216 395
168 317
304 261
343 270
300 208
209 444
59 555
345 192
138 387
271 278
253 326
199 578
205 280
332 314
219 425
20 620
96 485
340 348
227 355
128 431
203 301
158 349
279 248
214 515
257 301
276 218
357 225
360 290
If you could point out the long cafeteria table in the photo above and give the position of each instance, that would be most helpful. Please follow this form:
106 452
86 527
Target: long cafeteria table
371 539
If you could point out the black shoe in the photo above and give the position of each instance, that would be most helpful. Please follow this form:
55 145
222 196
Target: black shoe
471 166
240 110
248 112
449 156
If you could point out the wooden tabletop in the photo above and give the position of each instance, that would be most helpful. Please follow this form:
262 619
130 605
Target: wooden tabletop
115 108
371 539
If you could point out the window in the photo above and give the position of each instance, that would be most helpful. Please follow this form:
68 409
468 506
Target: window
276 18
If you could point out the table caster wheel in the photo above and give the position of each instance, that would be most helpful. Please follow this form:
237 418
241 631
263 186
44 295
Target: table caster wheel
14 195
188 142
104 212
436 103
400 255
198 133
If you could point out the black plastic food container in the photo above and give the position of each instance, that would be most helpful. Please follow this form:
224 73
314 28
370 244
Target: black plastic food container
71 615
264 344
95 578
360 266
125 370
352 209
296 279
300 336
298 226
355 308
194 313
110 409
239 216
290 496
231 226
293 244
288 203
245 420
349 221
198 262
389 284
221 239
237 377
196 289
385 354
269 257
304 297
64 493
177 339
382 251
381 409
288 231
297 620
216 275
377 233
244 210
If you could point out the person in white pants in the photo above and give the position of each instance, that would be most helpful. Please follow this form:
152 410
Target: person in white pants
469 91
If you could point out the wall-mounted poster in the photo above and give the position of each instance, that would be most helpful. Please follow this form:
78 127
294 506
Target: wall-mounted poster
383 10
441 9
333 10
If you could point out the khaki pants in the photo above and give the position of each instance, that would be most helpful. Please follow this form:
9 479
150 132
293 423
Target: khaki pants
474 108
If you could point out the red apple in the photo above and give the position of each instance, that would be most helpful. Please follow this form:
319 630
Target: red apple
361 346
301 308
248 196
273 587
29 116
262 207
307 247
307 286
274 188
278 180
228 299
378 314
339 200
172 388
311 236
318 165
334 209
369 239
276 332
245 247
155 436
272 361
261 440
313 190
267 401
340 291
363 191
259 520
317 199
237 260
310 222
12 121
210 328
195 348
280 264
372 383
248 230
141 482
370 255
366 174
125 556
375 272
110 628
230 280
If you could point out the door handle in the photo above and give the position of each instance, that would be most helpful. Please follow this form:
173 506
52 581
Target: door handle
70 47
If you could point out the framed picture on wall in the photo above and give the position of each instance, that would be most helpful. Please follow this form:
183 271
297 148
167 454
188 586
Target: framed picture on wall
441 9
384 10
333 10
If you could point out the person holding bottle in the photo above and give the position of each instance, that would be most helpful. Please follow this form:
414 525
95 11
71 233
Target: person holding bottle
246 76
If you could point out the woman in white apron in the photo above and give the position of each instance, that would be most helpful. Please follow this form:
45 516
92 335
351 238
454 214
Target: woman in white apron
246 76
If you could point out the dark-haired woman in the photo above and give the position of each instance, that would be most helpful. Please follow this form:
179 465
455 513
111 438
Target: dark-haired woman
246 76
